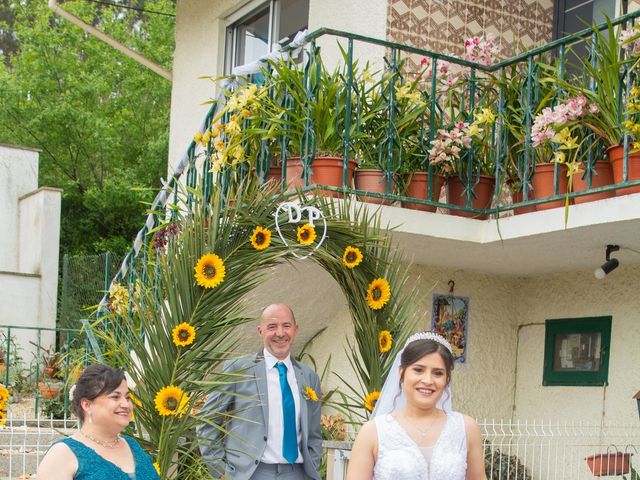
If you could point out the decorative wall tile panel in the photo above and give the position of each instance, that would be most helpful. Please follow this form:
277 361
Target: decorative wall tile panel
442 25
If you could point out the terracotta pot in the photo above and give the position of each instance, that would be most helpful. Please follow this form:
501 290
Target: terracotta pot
275 173
543 184
608 464
372 180
324 171
417 188
50 371
482 199
48 391
600 177
517 197
633 170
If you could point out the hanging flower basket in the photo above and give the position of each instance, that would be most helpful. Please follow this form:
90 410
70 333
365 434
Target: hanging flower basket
611 463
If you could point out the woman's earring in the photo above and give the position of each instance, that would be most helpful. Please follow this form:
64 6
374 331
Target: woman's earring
90 417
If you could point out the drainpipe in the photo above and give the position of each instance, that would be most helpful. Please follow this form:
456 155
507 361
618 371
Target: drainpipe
58 10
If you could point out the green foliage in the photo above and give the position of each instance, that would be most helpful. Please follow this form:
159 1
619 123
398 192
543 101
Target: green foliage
54 407
100 119
502 466
169 296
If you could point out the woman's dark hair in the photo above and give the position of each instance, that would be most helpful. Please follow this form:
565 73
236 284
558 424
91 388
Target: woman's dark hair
419 348
95 380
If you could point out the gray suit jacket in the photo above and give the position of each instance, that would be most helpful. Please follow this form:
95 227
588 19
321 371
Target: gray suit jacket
241 409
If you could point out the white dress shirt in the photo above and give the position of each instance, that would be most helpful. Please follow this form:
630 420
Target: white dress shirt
275 429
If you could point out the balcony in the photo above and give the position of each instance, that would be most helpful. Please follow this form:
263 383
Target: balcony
480 133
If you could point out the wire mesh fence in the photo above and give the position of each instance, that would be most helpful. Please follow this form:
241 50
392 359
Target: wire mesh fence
24 440
544 450
85 279
37 366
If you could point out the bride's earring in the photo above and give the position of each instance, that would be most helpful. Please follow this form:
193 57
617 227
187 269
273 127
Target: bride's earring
90 417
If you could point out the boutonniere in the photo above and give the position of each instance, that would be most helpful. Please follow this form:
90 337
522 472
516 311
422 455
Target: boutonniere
310 394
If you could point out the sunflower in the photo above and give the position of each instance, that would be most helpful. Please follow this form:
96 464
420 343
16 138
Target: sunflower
4 394
306 234
3 418
310 394
183 335
261 238
209 271
171 400
371 399
156 465
378 294
385 341
3 407
352 257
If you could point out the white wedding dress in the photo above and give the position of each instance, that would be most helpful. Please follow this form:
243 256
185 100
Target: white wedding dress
400 458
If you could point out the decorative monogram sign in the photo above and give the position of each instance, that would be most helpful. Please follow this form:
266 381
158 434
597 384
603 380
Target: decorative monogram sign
293 213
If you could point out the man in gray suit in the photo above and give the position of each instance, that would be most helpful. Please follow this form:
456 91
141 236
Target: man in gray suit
271 417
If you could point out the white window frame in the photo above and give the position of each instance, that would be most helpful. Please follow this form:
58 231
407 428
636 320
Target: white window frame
243 13
246 11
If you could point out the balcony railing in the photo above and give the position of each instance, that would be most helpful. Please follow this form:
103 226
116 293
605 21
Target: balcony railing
389 114
315 108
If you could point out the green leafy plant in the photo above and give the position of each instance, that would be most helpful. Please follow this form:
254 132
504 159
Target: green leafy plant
55 407
605 74
502 466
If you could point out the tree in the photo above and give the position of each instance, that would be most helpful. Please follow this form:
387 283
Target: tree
100 119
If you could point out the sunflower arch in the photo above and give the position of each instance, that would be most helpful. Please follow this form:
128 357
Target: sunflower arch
194 277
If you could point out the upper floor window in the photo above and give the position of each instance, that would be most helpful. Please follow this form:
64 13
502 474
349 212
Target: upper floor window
572 16
259 27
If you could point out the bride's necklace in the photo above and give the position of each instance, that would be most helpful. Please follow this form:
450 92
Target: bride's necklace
102 443
422 431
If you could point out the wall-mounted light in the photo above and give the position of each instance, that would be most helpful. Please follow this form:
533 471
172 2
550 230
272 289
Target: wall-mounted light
610 265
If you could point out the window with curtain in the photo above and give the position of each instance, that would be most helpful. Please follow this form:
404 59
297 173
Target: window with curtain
260 27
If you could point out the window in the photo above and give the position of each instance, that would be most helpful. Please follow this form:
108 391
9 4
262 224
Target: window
571 16
576 351
260 27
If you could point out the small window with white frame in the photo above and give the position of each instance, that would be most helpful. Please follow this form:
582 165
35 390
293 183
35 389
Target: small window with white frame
260 27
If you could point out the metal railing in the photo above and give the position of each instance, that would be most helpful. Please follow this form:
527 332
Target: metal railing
39 366
515 89
25 439
512 85
544 450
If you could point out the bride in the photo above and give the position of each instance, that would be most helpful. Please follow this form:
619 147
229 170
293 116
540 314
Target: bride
414 434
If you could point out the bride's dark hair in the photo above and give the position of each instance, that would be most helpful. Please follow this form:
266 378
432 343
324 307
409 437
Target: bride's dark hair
419 348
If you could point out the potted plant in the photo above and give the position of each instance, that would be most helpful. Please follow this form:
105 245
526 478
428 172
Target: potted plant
233 141
463 152
309 113
561 147
388 130
605 90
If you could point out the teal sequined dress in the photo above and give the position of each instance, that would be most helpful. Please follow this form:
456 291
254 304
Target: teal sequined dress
92 466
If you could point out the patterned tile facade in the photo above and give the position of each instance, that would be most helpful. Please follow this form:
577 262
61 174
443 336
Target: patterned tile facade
442 25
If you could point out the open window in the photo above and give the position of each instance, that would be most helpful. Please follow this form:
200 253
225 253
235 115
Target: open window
260 27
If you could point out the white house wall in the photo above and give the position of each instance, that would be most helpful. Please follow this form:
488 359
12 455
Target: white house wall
575 295
18 176
199 52
485 386
29 247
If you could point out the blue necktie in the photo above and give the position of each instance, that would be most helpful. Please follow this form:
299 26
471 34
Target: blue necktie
290 437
